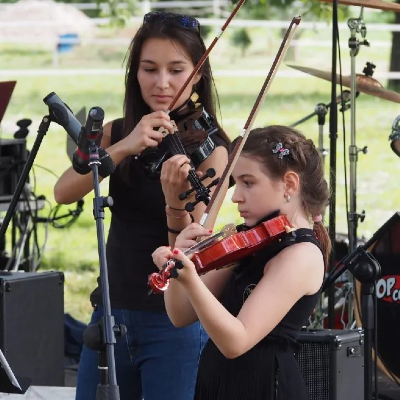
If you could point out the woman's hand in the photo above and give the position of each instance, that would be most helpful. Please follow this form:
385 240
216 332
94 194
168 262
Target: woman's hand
146 132
187 238
174 179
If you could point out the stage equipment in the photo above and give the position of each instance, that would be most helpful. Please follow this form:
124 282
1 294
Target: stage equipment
361 83
321 110
331 362
386 251
364 83
366 269
32 326
101 336
23 130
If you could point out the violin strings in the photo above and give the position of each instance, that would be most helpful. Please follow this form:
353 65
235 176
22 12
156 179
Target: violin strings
180 149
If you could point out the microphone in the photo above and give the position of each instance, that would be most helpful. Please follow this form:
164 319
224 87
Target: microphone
93 132
60 113
395 136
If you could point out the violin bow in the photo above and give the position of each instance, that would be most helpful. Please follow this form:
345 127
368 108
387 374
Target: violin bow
219 195
205 55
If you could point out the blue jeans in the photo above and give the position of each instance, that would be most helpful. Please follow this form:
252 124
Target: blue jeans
153 361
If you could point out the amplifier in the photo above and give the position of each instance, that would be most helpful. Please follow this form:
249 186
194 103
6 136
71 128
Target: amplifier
32 325
332 363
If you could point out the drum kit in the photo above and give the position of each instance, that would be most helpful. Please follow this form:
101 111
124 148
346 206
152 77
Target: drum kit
386 250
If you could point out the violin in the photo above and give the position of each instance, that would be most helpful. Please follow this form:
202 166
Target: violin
192 138
224 250
195 127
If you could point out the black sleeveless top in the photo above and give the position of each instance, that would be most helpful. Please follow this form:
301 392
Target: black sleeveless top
138 226
269 370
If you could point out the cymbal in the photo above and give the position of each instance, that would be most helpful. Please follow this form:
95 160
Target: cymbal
378 4
365 84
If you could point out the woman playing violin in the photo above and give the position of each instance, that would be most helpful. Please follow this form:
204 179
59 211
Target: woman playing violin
254 311
155 360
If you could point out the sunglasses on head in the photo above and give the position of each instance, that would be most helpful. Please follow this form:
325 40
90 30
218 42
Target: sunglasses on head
183 20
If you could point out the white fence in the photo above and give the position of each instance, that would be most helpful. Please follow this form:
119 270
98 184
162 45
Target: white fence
213 22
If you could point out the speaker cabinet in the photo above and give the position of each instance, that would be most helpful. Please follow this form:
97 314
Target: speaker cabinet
32 325
332 363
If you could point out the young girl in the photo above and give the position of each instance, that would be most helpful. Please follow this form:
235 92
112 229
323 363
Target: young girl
254 312
154 360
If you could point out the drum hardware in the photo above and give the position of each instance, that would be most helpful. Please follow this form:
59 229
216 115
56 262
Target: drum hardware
356 26
321 110
364 83
377 4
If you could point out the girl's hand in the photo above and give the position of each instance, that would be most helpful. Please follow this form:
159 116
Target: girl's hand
146 132
161 256
164 255
187 238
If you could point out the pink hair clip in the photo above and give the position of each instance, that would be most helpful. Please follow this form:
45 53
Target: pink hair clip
317 218
280 150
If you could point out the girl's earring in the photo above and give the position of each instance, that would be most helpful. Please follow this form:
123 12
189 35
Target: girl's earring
287 198
194 97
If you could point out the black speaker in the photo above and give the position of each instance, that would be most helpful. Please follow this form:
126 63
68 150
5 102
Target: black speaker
332 363
32 325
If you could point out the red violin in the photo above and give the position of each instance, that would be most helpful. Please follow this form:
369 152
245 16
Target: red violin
214 252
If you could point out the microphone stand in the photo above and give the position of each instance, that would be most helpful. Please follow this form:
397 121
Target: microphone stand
101 336
43 128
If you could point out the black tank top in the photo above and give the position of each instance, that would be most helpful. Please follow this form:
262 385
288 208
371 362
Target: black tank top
138 226
269 370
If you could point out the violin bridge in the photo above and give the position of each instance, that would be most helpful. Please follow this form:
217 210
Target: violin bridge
165 131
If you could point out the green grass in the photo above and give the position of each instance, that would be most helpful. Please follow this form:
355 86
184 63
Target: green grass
74 250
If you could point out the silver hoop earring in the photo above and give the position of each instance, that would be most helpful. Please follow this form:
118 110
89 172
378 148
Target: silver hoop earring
288 198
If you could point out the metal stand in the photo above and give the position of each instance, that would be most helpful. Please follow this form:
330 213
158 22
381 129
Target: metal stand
101 336
366 269
356 25
43 128
321 110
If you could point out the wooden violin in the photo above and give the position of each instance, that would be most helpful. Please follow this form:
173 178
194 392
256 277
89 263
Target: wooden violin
223 250
195 127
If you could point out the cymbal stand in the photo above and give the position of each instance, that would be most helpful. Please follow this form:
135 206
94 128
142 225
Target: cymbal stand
356 26
321 110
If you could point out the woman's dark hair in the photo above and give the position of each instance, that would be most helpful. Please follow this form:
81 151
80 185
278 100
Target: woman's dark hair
304 159
189 38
